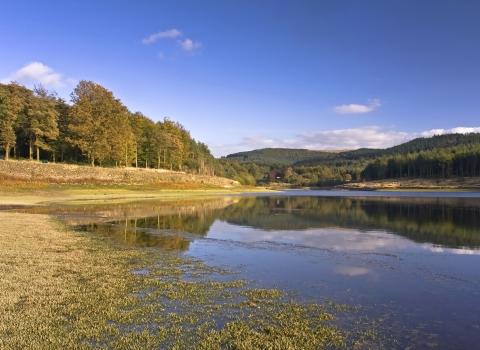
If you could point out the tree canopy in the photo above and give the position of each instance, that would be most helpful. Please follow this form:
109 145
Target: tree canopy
96 127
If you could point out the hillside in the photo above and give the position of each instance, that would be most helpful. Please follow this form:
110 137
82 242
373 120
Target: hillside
437 157
279 156
414 146
305 157
31 171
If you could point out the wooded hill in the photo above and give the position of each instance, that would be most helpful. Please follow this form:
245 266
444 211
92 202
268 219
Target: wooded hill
279 156
440 156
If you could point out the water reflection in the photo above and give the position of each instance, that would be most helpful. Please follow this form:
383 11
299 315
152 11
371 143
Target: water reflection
348 224
446 222
130 233
399 258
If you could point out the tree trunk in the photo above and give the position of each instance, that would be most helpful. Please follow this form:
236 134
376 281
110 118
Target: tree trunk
38 154
158 160
7 151
136 157
53 157
15 151
30 150
93 161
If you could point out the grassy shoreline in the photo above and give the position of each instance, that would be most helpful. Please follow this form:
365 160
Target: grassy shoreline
20 193
67 289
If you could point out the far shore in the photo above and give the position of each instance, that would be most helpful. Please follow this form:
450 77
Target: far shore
13 193
450 184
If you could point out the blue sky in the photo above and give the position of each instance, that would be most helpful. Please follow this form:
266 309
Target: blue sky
247 74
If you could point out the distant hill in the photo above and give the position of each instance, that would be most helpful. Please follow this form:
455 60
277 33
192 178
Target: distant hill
280 156
439 157
295 156
415 145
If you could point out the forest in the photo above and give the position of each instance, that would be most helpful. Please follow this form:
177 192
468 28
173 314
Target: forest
96 128
442 156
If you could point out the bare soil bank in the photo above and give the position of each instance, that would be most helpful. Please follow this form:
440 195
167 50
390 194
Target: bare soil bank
34 172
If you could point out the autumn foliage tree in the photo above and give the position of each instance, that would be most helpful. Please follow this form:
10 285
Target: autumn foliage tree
39 122
98 123
10 108
96 127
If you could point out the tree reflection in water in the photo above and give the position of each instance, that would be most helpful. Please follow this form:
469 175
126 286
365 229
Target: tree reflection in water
453 223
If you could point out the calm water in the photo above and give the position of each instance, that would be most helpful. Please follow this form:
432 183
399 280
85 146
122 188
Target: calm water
410 261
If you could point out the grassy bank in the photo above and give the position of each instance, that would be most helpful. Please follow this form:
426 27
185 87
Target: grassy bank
464 183
66 289
33 183
51 173
35 194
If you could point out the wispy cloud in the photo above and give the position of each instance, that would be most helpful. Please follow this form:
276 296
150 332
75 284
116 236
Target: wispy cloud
338 139
186 44
357 108
166 34
38 73
189 45
351 138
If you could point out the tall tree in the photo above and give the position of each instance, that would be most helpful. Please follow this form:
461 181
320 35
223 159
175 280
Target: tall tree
10 108
62 146
99 123
40 122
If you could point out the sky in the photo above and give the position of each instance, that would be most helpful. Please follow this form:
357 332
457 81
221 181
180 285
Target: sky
249 74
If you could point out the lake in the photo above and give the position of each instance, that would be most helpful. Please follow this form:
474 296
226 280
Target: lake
410 262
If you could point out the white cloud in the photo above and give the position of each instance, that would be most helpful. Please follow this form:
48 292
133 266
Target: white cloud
457 130
352 138
189 45
166 34
356 108
337 139
37 72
